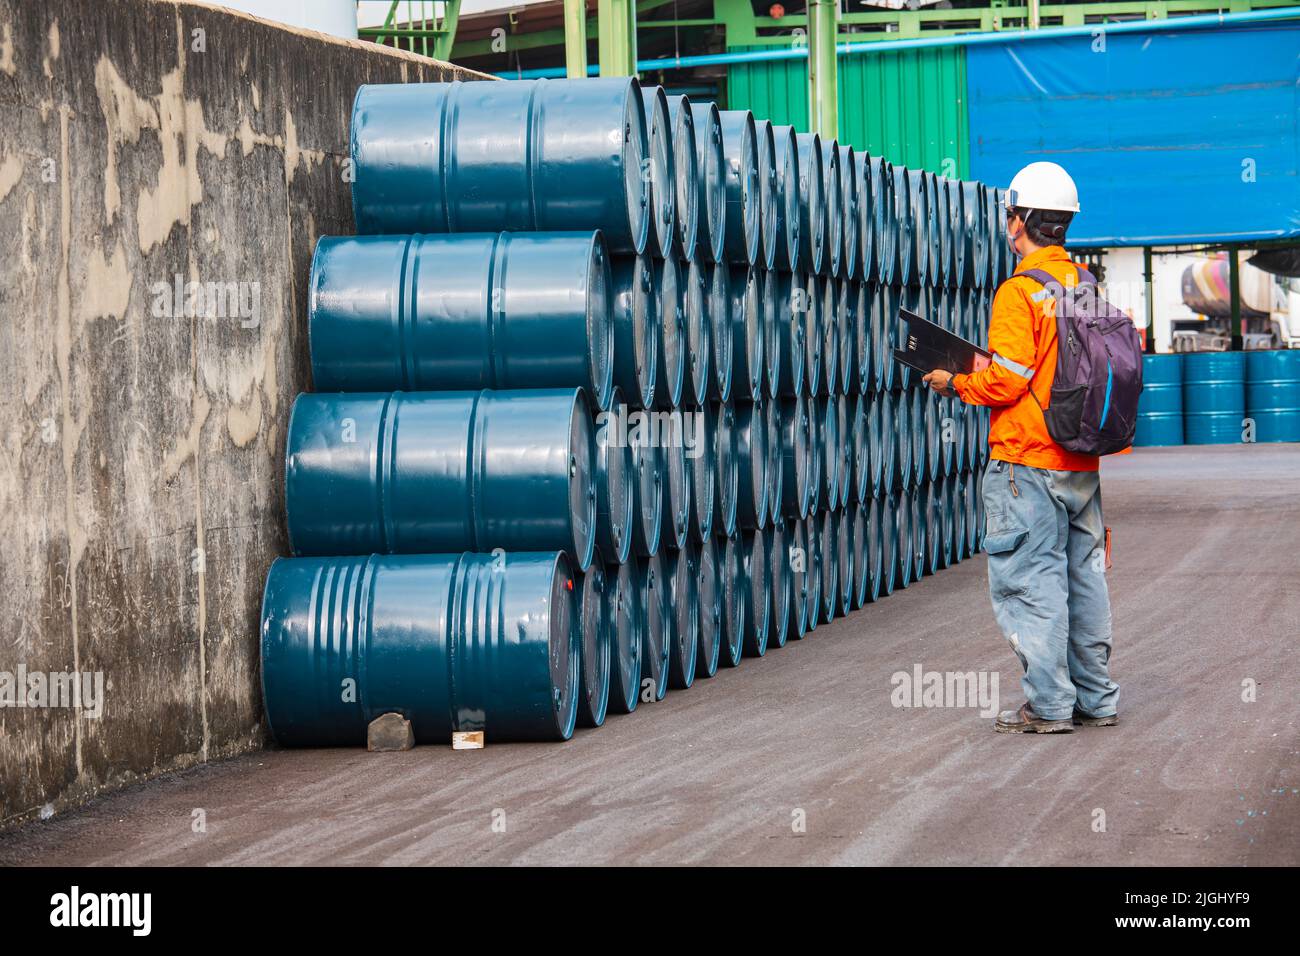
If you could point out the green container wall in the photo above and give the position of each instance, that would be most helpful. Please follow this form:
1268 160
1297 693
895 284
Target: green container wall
908 105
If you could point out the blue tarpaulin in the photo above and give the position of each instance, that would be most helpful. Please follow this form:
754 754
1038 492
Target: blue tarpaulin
1184 136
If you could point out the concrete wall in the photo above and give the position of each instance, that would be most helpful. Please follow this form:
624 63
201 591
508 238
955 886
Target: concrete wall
141 477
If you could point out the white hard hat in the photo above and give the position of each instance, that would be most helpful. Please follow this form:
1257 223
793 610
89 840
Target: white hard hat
1043 186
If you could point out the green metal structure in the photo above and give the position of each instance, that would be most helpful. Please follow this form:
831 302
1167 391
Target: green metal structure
616 25
427 27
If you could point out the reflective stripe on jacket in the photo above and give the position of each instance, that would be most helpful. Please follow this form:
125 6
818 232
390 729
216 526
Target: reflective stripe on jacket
1022 338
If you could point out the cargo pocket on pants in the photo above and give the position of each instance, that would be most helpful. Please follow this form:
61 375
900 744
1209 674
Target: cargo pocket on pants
1001 546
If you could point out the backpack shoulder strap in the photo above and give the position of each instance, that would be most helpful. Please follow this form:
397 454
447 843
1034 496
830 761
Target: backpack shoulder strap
1040 276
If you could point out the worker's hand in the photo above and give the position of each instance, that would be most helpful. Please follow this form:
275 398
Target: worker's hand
939 380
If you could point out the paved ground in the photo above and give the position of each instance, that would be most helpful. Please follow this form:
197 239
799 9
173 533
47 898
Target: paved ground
1206 592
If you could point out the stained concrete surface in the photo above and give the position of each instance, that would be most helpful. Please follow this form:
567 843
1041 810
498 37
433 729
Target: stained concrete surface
1206 594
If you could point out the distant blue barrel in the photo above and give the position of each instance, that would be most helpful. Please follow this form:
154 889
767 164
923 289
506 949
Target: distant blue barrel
903 442
721 425
746 324
859 447
734 609
846 580
875 451
812 203
751 452
851 262
845 306
769 316
1160 406
1214 397
593 687
698 345
649 491
775 442
626 639
656 646
827 421
830 565
920 435
888 545
872 549
888 442
683 616
813 575
740 147
636 328
768 194
906 537
668 430
526 156
615 479
887 226
436 472
795 454
857 537
671 340
931 509
844 468
776 549
717 279
711 174
921 223
686 166
789 225
814 333
1273 394
452 642
796 558
833 260
828 289
701 469
708 576
663 171
755 592
858 350
462 312
788 348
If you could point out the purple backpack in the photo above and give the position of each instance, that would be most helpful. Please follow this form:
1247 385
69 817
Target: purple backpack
1094 401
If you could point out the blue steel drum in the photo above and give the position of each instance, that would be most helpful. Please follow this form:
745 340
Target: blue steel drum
888 442
828 289
828 424
1160 406
788 348
888 545
671 339
698 344
768 193
722 437
906 538
717 279
921 224
708 576
752 509
1214 397
946 522
755 592
845 306
462 312
870 217
932 517
875 451
626 635
830 566
851 264
846 583
932 455
636 328
615 480
775 473
437 472
859 447
789 201
857 517
918 533
746 324
524 156
814 336
812 203
887 239
777 574
796 425
870 305
946 422
940 237
702 470
452 642
668 430
873 548
796 560
816 456
734 608
882 358
844 468
769 309
858 352
960 540
740 147
976 238
1273 394
656 642
813 574
682 589
711 172
687 186
833 259
662 170
593 685
650 490
904 473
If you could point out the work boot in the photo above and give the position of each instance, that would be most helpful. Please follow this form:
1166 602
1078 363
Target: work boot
1084 720
1025 721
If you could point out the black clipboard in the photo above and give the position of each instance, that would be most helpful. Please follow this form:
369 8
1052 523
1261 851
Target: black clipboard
927 346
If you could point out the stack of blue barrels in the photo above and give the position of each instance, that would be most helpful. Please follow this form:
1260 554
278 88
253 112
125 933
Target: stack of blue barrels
1220 398
605 402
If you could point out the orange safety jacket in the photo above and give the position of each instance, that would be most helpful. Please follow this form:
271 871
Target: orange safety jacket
1022 338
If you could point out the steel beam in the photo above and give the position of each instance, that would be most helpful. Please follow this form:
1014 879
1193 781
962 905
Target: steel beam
616 22
823 68
575 38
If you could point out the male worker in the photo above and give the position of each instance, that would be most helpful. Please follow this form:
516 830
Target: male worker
1044 534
